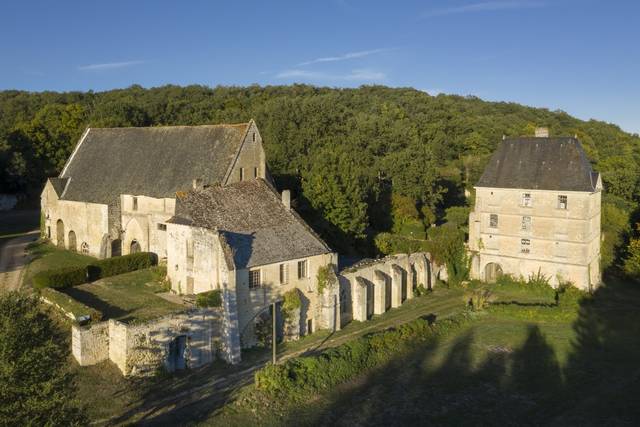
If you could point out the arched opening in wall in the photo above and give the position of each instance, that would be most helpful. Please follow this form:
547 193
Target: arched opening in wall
177 353
403 285
72 241
492 271
60 233
387 293
428 285
84 248
135 247
116 247
370 299
414 277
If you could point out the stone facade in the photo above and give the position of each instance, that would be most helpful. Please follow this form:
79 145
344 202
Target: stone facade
373 287
537 211
561 243
134 221
190 339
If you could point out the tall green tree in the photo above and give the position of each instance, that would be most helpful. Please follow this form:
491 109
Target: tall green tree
36 389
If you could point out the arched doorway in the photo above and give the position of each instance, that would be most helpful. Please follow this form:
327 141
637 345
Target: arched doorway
387 293
72 241
492 271
116 247
60 233
135 247
370 298
403 285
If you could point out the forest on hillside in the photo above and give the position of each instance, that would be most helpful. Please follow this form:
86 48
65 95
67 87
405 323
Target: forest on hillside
368 166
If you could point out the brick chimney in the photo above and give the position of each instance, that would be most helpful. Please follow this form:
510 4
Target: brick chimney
542 132
286 199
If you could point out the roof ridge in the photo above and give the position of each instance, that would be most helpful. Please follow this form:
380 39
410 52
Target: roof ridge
246 124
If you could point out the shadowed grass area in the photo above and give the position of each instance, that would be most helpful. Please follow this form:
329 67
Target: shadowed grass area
565 364
127 297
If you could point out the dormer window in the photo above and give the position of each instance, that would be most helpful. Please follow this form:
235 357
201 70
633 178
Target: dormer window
562 202
526 200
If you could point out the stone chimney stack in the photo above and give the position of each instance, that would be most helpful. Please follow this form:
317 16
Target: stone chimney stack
542 132
286 199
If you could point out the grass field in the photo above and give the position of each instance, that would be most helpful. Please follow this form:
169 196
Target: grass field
568 365
127 297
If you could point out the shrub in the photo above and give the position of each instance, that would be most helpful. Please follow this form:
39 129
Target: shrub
209 299
122 264
60 278
338 364
478 299
291 302
326 277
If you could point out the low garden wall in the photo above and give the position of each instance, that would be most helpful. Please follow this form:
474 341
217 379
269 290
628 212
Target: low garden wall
142 348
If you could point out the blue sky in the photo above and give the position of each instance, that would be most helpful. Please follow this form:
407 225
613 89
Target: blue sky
580 56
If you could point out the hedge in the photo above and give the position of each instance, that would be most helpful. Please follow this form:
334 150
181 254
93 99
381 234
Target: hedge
119 265
60 278
209 299
70 305
338 364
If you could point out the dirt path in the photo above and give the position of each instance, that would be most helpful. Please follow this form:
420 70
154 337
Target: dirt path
13 258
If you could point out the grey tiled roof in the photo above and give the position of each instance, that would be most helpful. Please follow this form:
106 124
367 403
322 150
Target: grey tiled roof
558 164
152 161
58 185
253 221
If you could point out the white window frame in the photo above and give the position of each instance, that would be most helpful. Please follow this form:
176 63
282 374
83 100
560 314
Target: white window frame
252 279
303 269
283 271
526 201
563 202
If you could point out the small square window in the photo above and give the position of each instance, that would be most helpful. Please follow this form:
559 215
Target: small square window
302 269
526 200
562 202
254 279
162 227
493 220
284 274
526 223
135 203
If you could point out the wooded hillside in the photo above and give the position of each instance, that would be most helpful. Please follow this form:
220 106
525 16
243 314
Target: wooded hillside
360 161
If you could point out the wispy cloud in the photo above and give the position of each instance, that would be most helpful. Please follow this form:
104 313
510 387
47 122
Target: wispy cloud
487 6
344 57
353 75
109 65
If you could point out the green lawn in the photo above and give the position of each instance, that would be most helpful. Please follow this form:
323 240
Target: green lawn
567 365
127 297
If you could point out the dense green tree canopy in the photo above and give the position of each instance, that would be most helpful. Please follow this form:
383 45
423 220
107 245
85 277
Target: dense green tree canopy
342 151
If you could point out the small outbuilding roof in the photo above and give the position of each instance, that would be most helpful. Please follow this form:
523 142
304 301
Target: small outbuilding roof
150 161
557 163
253 220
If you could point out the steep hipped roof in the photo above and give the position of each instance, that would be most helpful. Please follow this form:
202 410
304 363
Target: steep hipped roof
558 164
254 222
151 161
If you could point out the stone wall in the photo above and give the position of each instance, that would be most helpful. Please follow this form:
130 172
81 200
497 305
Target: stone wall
89 222
373 287
250 158
90 345
141 349
561 242
144 222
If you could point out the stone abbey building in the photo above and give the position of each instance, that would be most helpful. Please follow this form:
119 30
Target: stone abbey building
537 210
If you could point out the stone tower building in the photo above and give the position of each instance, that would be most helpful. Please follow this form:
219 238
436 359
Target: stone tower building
537 209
